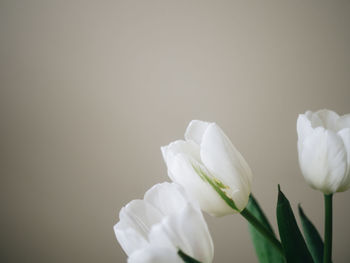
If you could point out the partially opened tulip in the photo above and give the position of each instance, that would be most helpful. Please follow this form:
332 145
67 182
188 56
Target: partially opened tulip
324 150
210 168
161 225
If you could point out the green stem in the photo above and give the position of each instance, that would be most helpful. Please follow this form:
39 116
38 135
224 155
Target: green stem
327 253
263 230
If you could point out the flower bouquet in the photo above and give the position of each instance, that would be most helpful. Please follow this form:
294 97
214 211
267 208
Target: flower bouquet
209 174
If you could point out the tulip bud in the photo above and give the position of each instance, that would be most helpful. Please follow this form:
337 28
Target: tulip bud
324 150
165 221
210 169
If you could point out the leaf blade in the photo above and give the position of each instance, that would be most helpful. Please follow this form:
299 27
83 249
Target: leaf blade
264 251
313 239
292 240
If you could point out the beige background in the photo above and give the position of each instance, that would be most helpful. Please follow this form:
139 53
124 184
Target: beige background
91 89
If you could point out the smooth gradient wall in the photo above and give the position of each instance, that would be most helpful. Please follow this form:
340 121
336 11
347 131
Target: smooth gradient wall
90 90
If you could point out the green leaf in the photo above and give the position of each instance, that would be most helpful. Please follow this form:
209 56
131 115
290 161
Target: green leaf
313 239
264 251
293 243
186 258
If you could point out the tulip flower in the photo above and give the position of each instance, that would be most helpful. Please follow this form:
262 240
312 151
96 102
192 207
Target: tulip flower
210 169
324 150
155 254
324 158
165 222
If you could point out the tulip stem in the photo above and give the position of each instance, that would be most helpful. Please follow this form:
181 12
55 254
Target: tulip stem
327 253
263 230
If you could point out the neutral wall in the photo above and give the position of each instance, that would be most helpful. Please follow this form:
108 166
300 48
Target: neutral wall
91 89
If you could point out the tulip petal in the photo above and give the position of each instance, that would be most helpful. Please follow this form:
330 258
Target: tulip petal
168 198
322 159
343 122
129 239
180 146
136 219
155 254
195 131
187 231
304 127
314 119
225 163
328 118
345 135
181 170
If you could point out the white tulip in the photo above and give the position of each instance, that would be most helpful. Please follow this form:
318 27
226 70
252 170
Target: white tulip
206 163
324 150
155 228
155 254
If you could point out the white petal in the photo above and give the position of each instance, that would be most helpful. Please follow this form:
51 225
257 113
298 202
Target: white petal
322 159
345 135
225 163
329 118
181 171
136 218
195 131
314 119
343 122
168 198
155 254
304 127
140 215
129 239
188 231
180 146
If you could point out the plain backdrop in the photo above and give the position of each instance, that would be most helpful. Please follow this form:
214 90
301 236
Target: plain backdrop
90 90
